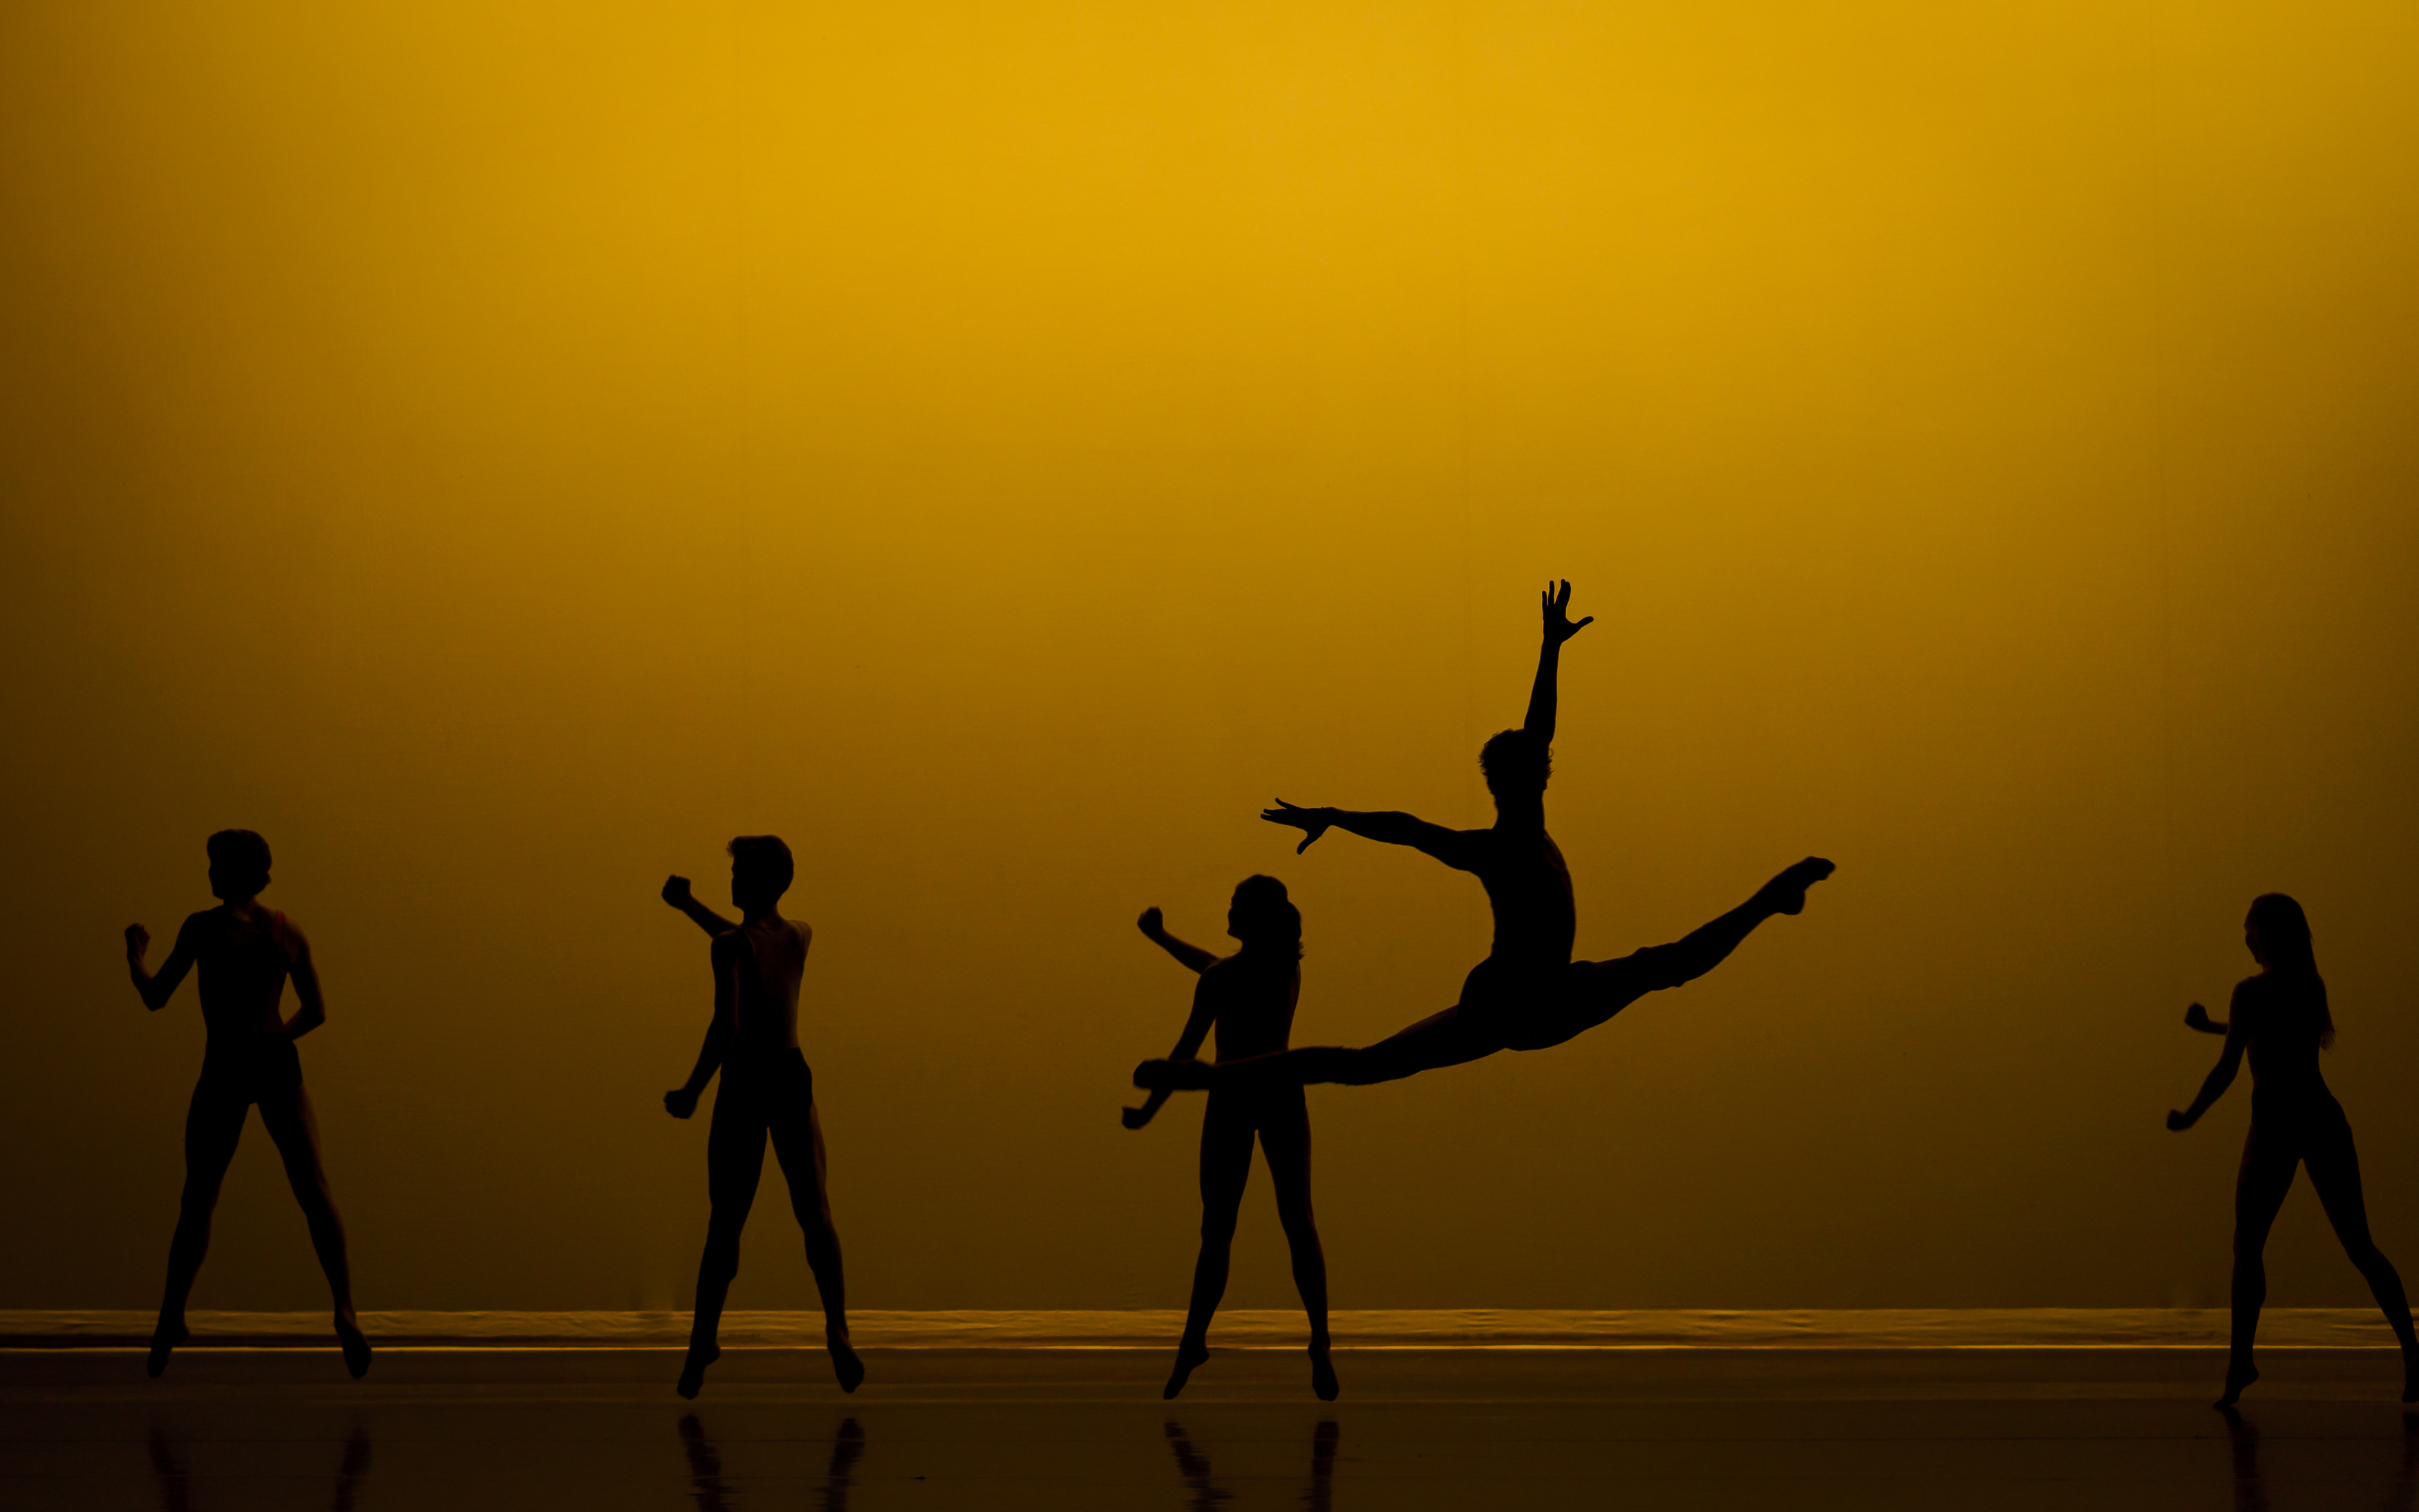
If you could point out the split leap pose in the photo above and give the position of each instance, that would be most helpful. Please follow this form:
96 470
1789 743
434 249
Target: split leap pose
245 953
1248 998
767 1088
2280 1017
1528 994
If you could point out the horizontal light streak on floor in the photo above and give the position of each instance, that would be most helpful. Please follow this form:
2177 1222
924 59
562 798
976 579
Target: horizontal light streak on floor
2028 1328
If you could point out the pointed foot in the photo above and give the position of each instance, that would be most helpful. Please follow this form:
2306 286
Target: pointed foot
355 1347
1189 1356
163 1339
692 1376
1787 892
2236 1380
846 1367
1322 1374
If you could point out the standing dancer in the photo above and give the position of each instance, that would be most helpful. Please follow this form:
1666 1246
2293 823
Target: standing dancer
1248 998
2280 1018
1528 994
245 953
767 1088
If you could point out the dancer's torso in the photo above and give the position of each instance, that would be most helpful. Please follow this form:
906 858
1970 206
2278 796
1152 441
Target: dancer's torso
1255 1002
1529 887
243 964
767 959
2281 1039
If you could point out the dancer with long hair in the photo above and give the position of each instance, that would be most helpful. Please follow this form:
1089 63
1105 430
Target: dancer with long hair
245 953
1528 994
2281 1020
767 1089
1247 999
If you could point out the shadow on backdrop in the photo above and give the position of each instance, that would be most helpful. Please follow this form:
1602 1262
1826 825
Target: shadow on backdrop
245 953
1205 1495
2281 1020
1247 1000
767 1089
1528 994
711 1494
173 1478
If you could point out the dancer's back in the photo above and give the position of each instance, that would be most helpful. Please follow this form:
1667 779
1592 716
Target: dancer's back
242 964
766 958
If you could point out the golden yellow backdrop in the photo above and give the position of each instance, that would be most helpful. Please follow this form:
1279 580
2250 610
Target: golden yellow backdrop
499 451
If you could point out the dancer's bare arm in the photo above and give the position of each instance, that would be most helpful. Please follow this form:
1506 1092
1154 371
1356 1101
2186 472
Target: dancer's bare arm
2196 1017
311 1006
1187 1045
157 988
676 892
1455 847
2221 1075
1558 628
1154 929
682 1101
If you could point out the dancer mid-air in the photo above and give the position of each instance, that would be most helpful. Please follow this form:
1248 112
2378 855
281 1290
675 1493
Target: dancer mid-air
245 953
1248 998
1528 994
2280 1019
767 1088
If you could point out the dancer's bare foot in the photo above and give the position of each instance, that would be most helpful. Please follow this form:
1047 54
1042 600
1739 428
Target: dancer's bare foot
2238 1376
1189 1356
1173 1076
164 1338
1786 892
1322 1373
693 1374
355 1347
845 1364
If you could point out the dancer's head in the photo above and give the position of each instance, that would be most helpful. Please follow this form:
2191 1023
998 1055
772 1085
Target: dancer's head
760 872
2278 934
1517 765
1264 919
239 864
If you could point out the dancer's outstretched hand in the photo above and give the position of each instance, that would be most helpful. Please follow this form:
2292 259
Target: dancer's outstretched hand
138 940
1312 822
1559 627
676 891
2196 1017
680 1101
1136 1117
2179 1121
1153 924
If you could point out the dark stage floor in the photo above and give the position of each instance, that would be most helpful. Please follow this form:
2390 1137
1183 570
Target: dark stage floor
600 1428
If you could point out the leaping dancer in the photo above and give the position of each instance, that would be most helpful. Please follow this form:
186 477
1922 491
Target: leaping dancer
1528 994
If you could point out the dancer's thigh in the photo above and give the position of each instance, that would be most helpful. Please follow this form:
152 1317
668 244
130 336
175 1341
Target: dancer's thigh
734 1153
1285 1141
798 1143
2333 1163
2269 1157
213 1128
1227 1129
1585 994
1462 1033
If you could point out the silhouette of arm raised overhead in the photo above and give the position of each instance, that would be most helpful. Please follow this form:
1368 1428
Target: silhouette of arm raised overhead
682 1101
1154 929
1456 848
676 892
2221 1075
156 988
1558 628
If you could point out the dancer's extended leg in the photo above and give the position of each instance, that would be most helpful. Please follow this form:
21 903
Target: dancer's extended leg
1227 1135
1285 1139
1447 1038
213 1128
2259 1190
2335 1171
735 1164
799 1140
295 1127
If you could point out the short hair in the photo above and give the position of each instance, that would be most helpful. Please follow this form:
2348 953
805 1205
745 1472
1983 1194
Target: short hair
1517 761
1266 913
241 853
764 858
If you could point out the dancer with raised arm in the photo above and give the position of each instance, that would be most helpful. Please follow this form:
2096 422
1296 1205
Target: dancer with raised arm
1528 994
766 1089
2280 1019
245 953
1247 999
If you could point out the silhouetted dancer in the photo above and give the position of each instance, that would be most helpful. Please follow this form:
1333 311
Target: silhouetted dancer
245 953
2280 1018
1528 994
767 1088
1248 999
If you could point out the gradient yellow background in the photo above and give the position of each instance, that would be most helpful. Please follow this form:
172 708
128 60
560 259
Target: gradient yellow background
499 451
